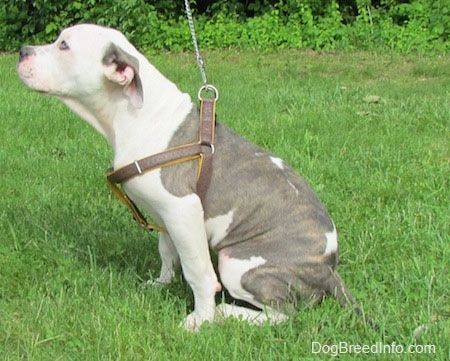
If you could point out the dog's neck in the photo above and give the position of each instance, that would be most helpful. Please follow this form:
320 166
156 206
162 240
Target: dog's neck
94 116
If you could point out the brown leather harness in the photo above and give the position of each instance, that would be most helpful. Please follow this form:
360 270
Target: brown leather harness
203 150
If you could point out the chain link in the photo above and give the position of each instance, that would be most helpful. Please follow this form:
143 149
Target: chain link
201 64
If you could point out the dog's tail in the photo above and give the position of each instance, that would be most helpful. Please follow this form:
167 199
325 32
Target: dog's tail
339 289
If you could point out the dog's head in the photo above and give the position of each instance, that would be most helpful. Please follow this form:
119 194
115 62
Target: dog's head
85 61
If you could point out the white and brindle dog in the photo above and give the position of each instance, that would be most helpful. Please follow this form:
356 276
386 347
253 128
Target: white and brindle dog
275 241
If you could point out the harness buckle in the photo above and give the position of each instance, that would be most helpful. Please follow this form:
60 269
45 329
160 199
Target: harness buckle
210 145
138 167
208 88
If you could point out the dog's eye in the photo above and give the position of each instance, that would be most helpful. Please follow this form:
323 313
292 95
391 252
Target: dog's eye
63 45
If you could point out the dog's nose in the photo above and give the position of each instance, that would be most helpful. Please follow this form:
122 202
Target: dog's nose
25 52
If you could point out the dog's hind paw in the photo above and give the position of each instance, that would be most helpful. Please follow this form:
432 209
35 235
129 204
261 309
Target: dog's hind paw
253 317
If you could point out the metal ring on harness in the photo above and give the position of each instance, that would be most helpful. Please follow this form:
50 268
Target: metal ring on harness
208 88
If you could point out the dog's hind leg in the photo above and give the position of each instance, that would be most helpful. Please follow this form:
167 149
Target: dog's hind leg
283 288
231 271
253 317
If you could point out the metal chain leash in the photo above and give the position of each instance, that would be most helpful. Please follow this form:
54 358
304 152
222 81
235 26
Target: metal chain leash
201 65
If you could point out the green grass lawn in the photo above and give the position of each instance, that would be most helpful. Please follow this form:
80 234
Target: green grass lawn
72 262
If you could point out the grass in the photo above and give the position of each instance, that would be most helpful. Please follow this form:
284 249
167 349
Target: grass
72 263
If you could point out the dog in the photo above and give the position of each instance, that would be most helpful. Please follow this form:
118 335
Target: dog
276 243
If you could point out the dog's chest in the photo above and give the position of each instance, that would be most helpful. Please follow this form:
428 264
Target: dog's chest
140 136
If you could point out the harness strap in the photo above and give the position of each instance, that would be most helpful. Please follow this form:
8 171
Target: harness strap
207 128
203 150
164 159
137 215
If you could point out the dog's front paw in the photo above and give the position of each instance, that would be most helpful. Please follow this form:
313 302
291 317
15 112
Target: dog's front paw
193 322
164 279
156 283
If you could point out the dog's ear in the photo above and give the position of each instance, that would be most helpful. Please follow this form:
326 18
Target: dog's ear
123 69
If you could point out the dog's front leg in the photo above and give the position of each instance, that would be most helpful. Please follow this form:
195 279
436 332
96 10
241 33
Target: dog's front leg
185 224
169 260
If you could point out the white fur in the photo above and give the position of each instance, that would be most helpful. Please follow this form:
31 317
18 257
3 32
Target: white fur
231 271
293 187
253 317
277 161
332 242
280 164
217 228
169 260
